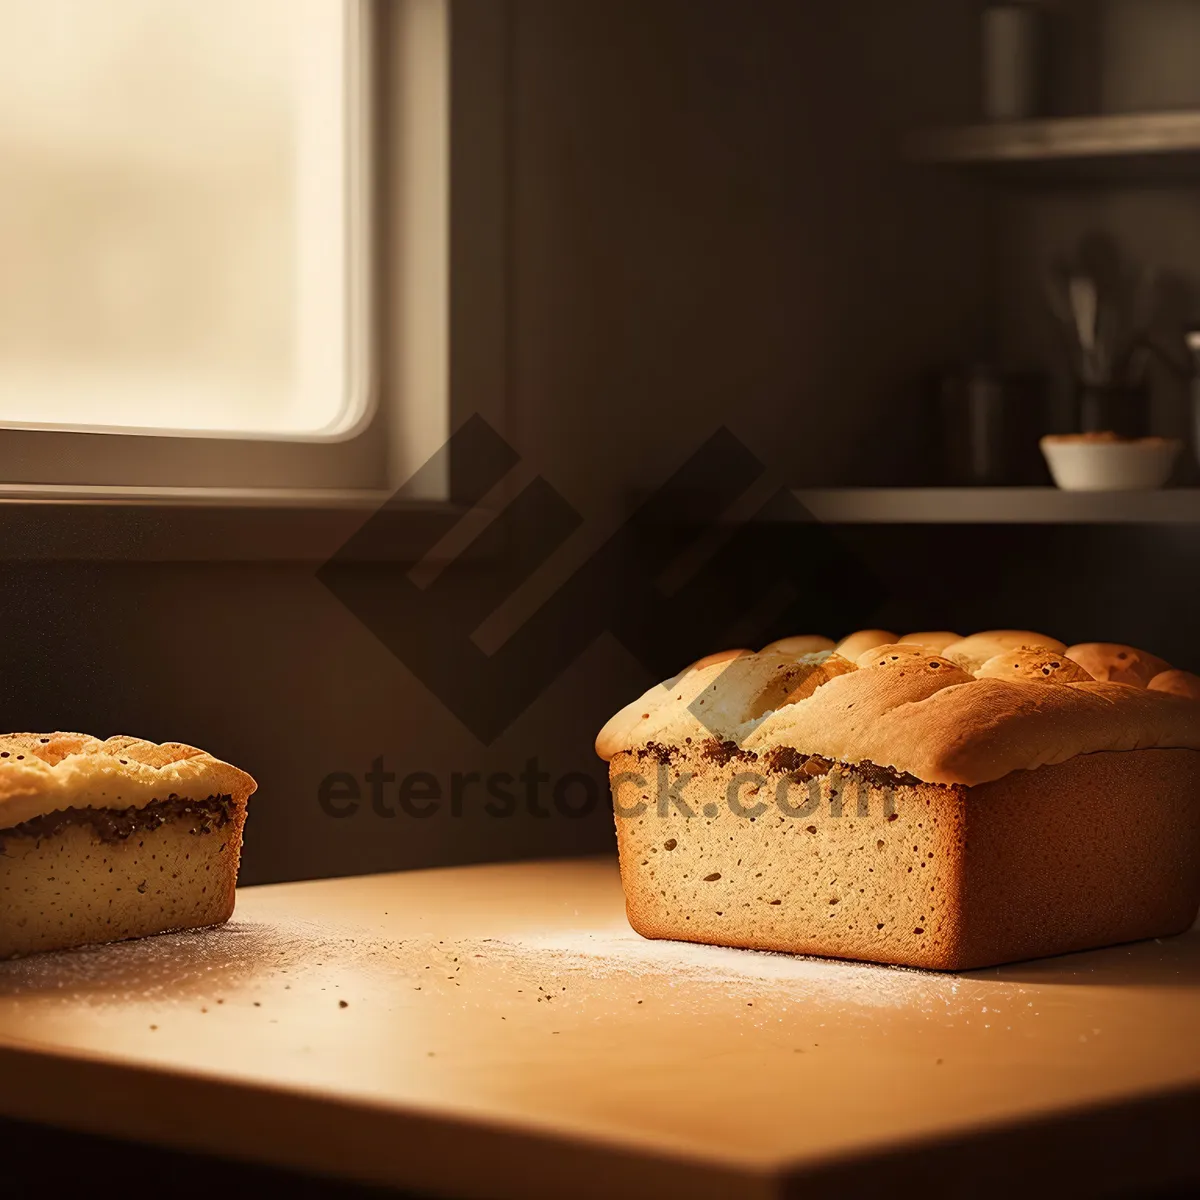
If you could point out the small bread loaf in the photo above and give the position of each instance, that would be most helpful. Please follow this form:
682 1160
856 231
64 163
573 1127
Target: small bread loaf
101 841
865 639
935 641
824 668
1111 662
1034 665
1177 683
972 652
798 647
935 810
885 656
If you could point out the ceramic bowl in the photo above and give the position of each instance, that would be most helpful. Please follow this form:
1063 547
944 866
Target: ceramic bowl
1105 463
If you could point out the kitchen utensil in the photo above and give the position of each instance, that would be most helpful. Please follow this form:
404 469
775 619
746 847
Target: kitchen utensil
1085 308
1112 319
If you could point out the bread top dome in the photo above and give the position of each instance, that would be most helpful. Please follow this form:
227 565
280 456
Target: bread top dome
966 712
49 772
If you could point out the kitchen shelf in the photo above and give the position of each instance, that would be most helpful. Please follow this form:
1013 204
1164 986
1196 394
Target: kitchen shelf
501 1032
1009 505
1161 141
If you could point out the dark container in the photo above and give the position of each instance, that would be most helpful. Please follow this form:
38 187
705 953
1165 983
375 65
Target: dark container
991 423
1112 408
1014 61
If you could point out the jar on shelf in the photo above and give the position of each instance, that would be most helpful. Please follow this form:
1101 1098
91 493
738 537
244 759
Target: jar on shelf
1014 61
991 422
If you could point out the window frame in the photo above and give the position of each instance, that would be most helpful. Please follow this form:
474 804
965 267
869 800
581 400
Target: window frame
399 184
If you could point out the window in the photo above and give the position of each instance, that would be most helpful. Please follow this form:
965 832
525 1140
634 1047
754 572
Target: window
174 221
186 240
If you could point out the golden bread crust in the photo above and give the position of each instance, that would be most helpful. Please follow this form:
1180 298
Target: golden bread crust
716 698
859 643
1113 663
721 656
958 718
886 656
47 772
1178 683
1035 665
799 646
972 652
936 640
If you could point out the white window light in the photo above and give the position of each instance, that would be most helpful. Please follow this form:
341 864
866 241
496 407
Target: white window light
175 222
186 242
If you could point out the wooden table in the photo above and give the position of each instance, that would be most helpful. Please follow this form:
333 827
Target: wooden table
500 1031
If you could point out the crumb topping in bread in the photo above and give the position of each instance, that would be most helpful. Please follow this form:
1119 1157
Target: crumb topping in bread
987 705
113 826
42 773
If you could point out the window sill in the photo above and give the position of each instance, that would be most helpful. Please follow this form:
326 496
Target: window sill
101 524
206 497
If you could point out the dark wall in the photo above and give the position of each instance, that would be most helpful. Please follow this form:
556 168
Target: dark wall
1109 56
262 666
708 226
711 225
